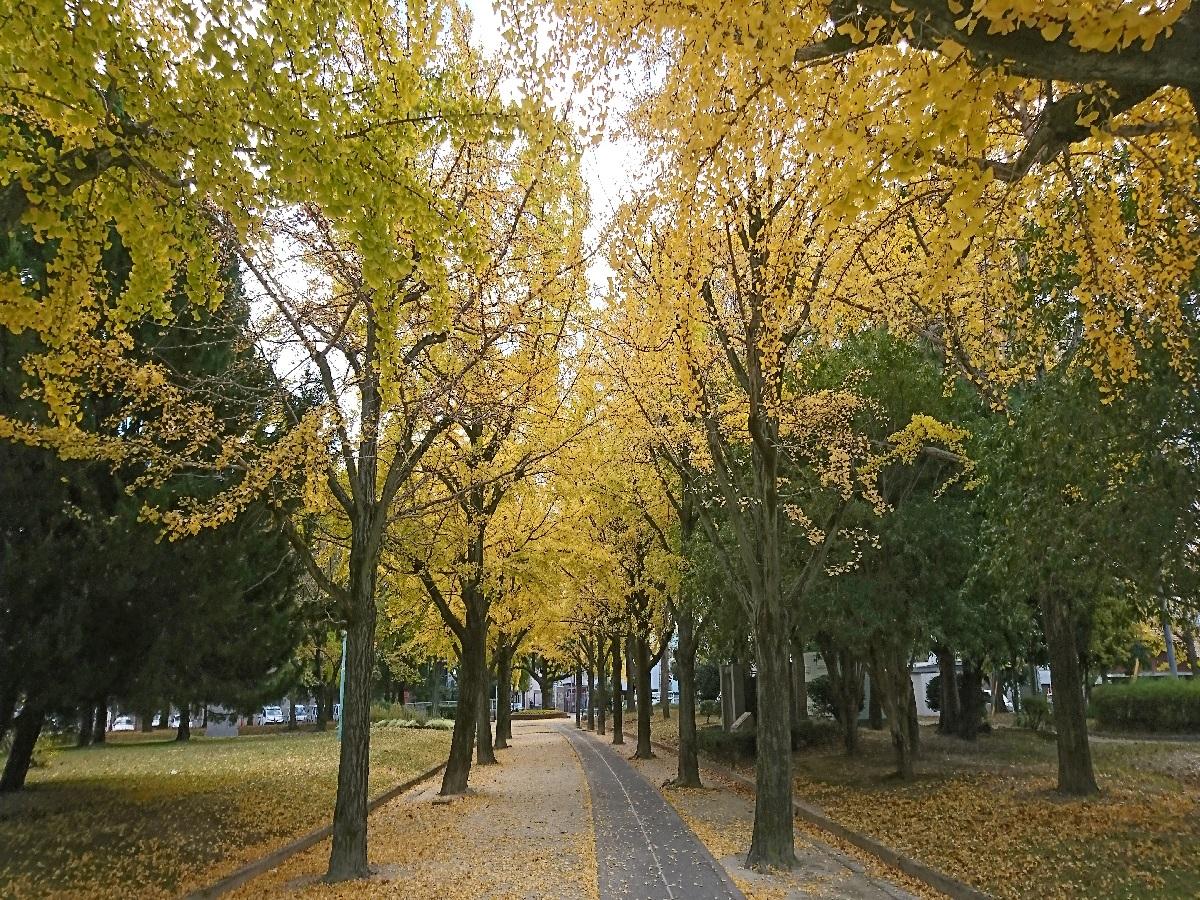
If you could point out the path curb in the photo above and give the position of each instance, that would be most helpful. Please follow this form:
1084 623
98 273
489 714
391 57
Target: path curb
927 875
276 858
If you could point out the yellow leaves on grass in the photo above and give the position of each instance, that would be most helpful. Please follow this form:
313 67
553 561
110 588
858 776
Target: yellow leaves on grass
173 817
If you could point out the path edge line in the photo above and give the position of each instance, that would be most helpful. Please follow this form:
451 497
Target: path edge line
275 858
931 877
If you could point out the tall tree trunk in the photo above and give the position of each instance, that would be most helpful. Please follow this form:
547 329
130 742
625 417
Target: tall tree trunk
100 722
87 725
485 754
578 697
164 717
772 842
687 773
631 675
846 685
1189 647
184 731
664 684
292 724
970 700
1075 774
874 709
591 691
601 692
645 704
437 679
799 683
618 730
146 722
891 684
20 755
503 695
472 669
319 691
348 856
948 715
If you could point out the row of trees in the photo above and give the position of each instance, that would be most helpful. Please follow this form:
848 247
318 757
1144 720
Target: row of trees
888 268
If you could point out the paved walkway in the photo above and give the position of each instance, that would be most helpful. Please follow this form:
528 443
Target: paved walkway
644 851
722 816
524 833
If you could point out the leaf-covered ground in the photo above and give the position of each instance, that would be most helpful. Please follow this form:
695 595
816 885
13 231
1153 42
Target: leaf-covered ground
986 812
524 832
156 818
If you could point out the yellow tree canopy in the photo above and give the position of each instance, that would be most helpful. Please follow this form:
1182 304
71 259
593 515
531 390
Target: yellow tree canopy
979 146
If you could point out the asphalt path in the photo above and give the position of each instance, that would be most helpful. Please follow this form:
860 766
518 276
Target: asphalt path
644 851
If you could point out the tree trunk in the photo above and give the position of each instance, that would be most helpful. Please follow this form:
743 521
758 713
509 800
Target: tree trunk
846 685
20 755
1075 774
1189 647
146 722
618 731
503 696
631 676
799 683
874 710
578 697
687 773
772 843
591 694
164 717
292 724
948 715
664 684
601 693
645 704
319 691
970 700
348 856
472 668
437 679
184 732
100 722
890 682
485 754
87 725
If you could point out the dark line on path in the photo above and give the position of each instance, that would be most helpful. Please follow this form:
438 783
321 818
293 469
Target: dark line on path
644 850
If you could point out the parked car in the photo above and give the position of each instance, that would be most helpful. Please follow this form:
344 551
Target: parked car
273 715
123 723
304 713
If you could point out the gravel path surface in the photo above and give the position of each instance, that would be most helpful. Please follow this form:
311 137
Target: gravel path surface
524 833
644 851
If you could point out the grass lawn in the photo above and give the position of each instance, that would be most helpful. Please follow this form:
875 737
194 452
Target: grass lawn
152 818
986 812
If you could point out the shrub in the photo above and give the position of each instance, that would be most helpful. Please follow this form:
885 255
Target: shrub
1149 704
439 724
728 746
933 693
539 714
709 708
395 712
814 733
820 695
1035 713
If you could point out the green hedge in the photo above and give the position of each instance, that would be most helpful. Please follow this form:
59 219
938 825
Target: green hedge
539 714
1149 704
735 746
